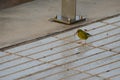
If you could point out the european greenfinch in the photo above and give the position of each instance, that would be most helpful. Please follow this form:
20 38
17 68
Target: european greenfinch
82 34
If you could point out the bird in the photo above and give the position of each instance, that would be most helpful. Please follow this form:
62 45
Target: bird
82 34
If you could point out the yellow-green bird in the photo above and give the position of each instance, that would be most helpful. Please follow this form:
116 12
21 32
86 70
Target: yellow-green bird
82 34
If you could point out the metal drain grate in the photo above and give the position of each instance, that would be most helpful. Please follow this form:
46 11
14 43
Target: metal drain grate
64 57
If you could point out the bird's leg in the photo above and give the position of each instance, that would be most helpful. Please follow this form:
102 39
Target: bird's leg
84 43
79 42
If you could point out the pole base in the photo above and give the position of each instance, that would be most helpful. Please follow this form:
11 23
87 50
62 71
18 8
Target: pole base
65 20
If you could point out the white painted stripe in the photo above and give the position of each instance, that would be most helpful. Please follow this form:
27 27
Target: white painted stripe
45 73
117 24
41 48
60 75
94 78
105 68
113 72
112 45
2 54
117 49
71 58
103 35
27 72
98 63
8 58
102 29
116 78
82 55
54 50
13 63
30 45
112 20
93 26
78 77
107 40
19 68
61 55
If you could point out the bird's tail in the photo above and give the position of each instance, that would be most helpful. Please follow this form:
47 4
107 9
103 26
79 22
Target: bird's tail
89 34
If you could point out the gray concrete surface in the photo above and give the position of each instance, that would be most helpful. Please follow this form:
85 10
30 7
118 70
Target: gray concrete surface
30 20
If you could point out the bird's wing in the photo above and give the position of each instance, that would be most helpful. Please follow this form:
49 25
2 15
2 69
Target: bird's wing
88 34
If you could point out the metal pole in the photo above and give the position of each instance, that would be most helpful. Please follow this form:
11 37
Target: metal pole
69 8
68 13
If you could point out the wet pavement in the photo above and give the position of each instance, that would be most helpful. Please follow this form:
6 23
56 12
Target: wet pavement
66 57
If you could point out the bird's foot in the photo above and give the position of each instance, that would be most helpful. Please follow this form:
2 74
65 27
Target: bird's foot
79 42
84 44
